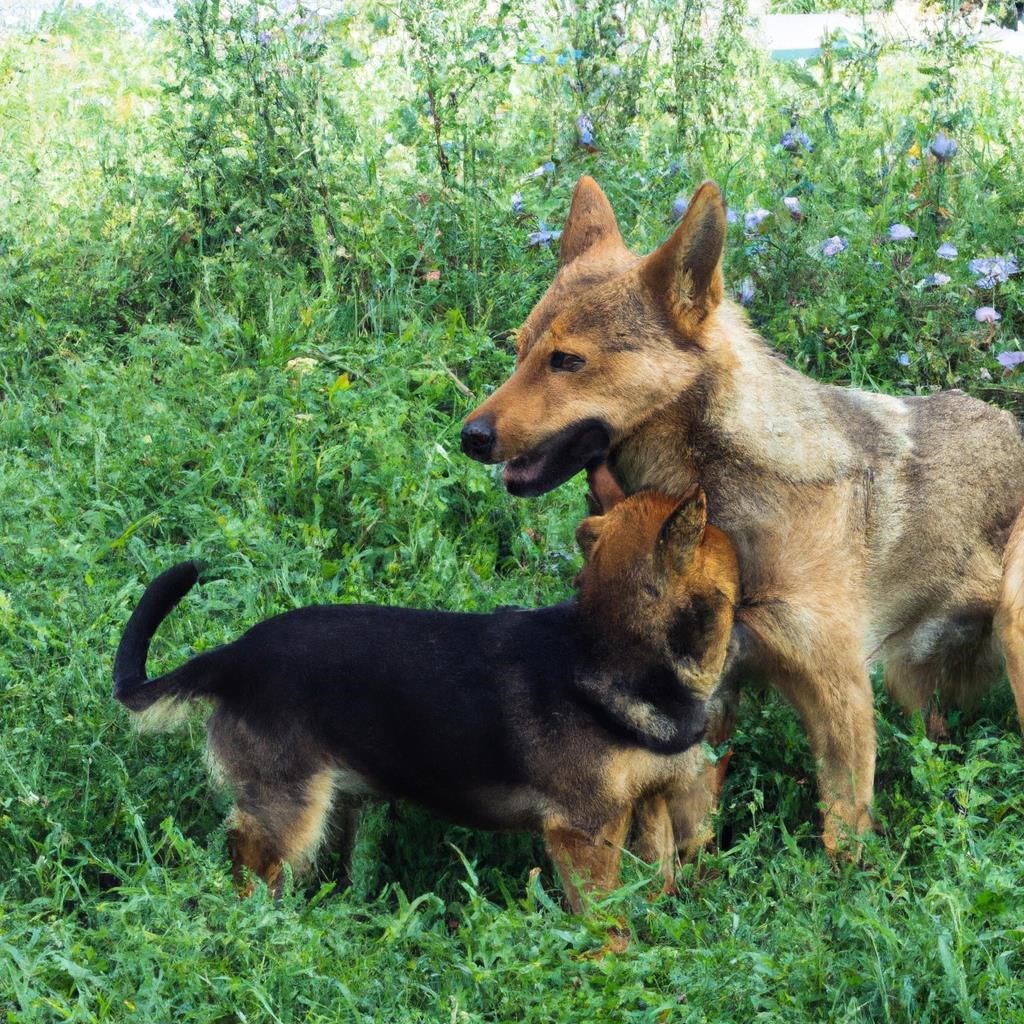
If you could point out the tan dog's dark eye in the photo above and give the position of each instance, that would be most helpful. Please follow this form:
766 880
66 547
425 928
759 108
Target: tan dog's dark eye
567 361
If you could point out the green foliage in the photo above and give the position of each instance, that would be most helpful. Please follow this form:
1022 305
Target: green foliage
712 110
250 131
254 269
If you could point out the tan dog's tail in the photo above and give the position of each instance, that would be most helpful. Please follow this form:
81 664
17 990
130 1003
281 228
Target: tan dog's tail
1010 614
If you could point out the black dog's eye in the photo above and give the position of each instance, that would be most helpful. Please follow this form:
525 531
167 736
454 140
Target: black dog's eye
567 361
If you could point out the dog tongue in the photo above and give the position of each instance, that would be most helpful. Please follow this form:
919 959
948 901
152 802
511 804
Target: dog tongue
604 487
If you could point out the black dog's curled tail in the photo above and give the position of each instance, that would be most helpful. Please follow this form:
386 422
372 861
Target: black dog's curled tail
131 687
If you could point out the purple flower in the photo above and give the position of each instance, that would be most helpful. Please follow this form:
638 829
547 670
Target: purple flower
935 280
903 359
517 202
731 216
987 315
943 148
900 232
585 131
263 38
947 251
792 139
994 270
1008 360
834 246
793 205
545 168
753 220
747 291
679 206
543 236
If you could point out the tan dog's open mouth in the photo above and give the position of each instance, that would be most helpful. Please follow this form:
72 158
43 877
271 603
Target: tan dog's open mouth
579 446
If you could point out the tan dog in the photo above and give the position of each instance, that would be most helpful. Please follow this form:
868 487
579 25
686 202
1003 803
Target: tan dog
869 528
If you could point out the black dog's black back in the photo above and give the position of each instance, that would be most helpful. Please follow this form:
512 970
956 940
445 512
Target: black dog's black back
447 683
419 701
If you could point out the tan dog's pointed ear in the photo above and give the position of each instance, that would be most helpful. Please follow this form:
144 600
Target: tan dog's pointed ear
587 533
686 271
591 220
681 533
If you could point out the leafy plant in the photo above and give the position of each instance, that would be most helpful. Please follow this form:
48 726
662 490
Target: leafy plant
243 310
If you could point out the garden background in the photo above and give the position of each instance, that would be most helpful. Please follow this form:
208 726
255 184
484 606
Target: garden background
255 266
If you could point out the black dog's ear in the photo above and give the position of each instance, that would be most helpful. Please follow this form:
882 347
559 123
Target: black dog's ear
681 533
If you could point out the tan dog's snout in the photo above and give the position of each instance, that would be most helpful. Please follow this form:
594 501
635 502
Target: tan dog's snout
479 438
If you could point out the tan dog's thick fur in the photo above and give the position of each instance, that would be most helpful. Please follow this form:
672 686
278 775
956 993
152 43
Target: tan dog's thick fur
869 528
558 720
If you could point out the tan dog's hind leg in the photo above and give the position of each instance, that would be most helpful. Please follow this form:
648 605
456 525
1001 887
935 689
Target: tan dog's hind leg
587 863
1009 620
264 835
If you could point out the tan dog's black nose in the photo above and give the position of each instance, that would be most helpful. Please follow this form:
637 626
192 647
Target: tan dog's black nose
478 438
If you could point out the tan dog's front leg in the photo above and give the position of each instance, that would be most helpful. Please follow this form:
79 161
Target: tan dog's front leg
818 666
835 702
654 838
587 863
1009 620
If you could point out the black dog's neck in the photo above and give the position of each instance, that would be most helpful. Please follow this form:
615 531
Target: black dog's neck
640 701
647 706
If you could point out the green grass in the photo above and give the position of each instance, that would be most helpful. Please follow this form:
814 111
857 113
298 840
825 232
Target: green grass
150 410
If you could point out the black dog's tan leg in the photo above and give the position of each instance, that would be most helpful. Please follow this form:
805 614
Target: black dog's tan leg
279 828
693 796
654 837
693 800
1009 619
344 830
587 863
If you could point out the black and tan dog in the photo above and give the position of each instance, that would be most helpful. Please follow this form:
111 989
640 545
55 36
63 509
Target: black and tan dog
557 720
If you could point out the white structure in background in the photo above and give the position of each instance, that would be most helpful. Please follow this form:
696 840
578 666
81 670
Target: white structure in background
786 36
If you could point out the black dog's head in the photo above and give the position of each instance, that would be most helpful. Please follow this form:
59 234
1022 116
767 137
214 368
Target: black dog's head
661 583
657 595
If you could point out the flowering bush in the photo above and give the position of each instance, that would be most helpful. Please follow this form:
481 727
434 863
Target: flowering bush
254 268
